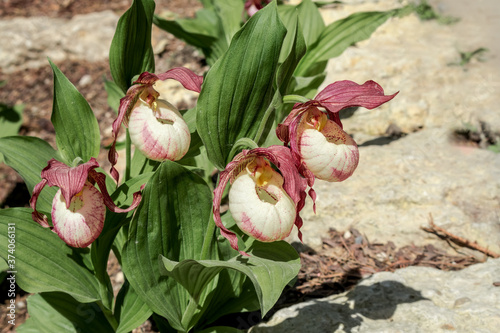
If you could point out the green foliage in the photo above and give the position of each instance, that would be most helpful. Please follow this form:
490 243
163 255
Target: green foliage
46 262
177 266
426 12
71 111
11 119
58 312
131 52
466 57
239 88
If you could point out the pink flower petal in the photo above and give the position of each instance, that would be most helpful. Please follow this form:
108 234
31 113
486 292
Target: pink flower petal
343 94
185 76
79 222
69 180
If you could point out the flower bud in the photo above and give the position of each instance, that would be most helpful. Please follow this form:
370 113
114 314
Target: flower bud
160 133
259 204
329 152
81 223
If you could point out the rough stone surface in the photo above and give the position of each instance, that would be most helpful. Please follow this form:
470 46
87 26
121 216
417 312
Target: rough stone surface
27 42
399 183
397 186
417 58
410 300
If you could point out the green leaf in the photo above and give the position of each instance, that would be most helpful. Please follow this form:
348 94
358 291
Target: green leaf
270 267
309 17
131 52
28 156
297 49
58 312
230 14
114 94
337 37
171 221
77 131
311 21
101 247
43 261
11 118
239 87
130 309
199 32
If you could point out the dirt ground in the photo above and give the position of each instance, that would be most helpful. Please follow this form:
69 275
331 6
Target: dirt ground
346 257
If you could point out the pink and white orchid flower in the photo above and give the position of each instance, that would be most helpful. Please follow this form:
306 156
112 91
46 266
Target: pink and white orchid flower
317 139
78 208
264 203
156 127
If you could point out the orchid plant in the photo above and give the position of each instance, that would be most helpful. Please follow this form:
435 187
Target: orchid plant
191 250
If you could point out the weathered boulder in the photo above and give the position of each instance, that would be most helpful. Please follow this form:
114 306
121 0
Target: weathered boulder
410 300
27 42
396 186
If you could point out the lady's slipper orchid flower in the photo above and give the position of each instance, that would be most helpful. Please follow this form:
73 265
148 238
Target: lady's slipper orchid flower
317 140
78 208
156 127
264 203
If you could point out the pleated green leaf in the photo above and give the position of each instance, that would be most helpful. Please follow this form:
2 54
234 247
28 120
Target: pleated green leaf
131 52
43 261
123 197
338 36
270 267
58 312
28 156
171 221
130 310
238 89
77 131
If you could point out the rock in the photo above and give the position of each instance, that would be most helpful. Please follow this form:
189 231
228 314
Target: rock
27 42
397 185
414 299
418 58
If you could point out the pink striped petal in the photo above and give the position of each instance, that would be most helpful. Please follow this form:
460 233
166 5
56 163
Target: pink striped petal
327 151
264 212
79 222
69 180
161 134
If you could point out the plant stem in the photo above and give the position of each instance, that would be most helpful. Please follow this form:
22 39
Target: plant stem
207 242
128 155
189 312
109 315
242 142
294 99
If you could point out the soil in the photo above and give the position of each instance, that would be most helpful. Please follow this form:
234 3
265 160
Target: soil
346 257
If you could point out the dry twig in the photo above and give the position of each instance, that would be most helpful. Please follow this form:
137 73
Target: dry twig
457 239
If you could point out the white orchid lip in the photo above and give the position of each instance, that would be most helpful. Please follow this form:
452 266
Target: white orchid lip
259 204
160 133
81 223
329 152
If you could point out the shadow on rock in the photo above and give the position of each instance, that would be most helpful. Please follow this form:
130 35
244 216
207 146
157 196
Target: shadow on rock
378 301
